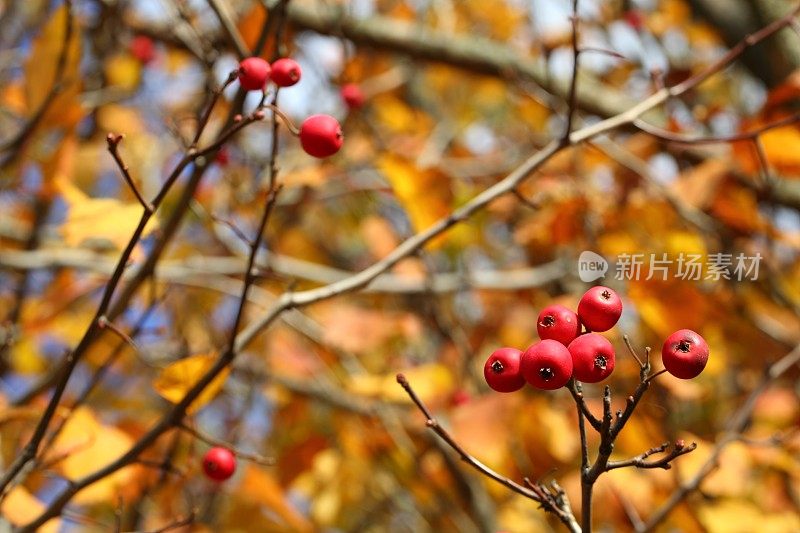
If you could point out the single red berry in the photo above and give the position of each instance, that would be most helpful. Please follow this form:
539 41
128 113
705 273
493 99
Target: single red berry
635 19
460 397
142 48
599 308
685 354
558 323
223 157
592 358
502 370
547 365
253 73
285 72
321 135
219 463
353 96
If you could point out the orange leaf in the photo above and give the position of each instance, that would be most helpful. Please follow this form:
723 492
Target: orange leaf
20 507
178 378
85 445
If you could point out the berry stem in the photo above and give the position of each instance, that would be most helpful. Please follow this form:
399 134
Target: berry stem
289 124
201 126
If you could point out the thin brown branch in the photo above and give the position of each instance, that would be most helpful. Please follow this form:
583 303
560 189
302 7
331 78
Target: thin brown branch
208 439
113 140
201 126
105 323
572 95
229 26
678 138
577 395
632 351
534 491
640 461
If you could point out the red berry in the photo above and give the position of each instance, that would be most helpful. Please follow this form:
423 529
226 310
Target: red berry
460 397
502 370
353 96
253 73
285 72
219 463
223 157
558 323
592 358
547 365
321 135
635 19
599 309
142 48
685 354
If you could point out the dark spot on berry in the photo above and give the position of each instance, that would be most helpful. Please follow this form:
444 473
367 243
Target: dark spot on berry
548 321
497 367
600 362
684 346
546 373
606 295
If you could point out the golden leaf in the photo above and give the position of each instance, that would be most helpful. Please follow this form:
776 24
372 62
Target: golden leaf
261 487
780 147
731 515
432 383
101 221
26 358
86 445
20 507
40 69
175 380
425 194
123 71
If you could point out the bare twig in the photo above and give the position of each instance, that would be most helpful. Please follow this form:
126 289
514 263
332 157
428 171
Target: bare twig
640 461
229 26
252 457
113 140
534 491
572 95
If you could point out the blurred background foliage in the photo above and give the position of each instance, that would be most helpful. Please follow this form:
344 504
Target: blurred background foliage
458 93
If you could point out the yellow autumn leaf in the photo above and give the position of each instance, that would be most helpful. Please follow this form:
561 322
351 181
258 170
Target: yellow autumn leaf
731 515
398 117
40 69
780 147
26 358
86 445
175 380
123 71
99 221
261 487
425 194
20 507
430 381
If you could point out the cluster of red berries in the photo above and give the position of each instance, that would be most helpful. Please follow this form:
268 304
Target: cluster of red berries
219 463
320 135
565 351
